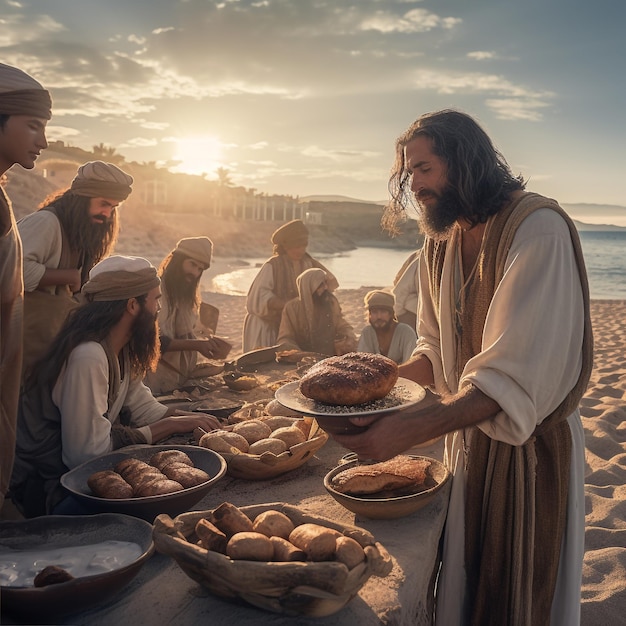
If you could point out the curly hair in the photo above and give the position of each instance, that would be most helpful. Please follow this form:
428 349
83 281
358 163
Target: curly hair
475 168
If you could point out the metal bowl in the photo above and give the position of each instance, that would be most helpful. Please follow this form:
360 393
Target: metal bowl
64 531
75 481
374 507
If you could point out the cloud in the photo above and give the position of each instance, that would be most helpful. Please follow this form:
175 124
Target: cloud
414 21
481 55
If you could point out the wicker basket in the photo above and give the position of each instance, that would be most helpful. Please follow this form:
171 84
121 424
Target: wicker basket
269 465
292 588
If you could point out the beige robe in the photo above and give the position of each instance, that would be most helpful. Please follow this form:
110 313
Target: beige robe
11 308
537 311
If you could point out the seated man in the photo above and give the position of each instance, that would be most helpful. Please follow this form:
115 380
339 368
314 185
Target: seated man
384 334
86 396
313 322
179 329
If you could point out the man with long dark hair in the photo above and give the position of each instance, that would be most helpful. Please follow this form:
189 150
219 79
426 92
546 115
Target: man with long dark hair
72 230
25 108
505 341
179 328
86 396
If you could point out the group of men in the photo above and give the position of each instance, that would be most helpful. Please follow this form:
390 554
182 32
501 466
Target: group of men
504 342
79 331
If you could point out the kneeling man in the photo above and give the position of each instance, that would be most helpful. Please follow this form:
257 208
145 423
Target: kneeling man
86 397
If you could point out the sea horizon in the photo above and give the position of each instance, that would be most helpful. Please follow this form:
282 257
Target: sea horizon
369 266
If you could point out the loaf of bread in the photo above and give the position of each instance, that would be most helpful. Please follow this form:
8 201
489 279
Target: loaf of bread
350 379
400 472
109 484
185 475
162 458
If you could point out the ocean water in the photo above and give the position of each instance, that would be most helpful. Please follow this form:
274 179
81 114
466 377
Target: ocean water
604 252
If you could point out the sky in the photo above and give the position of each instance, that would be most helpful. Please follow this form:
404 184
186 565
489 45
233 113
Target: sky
305 97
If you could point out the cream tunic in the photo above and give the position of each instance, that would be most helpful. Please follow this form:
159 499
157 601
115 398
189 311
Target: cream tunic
42 241
401 347
531 357
80 393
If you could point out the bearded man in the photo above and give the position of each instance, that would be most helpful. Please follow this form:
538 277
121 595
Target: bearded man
275 284
63 240
179 325
86 396
313 322
25 108
384 334
505 341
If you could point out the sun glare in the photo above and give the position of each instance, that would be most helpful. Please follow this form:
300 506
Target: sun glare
198 155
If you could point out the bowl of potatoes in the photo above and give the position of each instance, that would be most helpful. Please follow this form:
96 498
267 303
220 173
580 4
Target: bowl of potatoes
273 556
265 446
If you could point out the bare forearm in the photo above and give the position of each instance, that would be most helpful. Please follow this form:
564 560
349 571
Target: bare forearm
53 277
418 369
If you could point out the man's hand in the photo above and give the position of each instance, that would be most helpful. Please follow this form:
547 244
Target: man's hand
207 347
178 421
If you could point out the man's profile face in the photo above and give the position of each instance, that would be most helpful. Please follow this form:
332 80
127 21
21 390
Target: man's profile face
380 317
101 209
296 253
22 138
192 270
437 200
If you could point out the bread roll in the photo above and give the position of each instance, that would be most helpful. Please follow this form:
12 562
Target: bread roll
273 524
275 446
233 439
291 435
185 475
250 546
354 378
162 458
157 487
213 441
51 575
128 465
109 484
252 430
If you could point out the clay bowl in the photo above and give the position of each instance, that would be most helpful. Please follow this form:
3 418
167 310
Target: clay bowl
42 604
75 481
375 507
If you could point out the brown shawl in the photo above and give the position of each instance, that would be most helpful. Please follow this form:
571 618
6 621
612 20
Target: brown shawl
516 495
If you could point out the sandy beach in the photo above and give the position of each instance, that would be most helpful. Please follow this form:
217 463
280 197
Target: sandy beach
604 420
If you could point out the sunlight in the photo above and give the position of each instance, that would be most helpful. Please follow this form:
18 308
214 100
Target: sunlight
197 155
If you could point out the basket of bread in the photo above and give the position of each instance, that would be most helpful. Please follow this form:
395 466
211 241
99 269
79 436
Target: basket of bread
273 556
265 446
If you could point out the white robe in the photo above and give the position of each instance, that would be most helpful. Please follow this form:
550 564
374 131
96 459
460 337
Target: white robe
401 347
531 357
80 393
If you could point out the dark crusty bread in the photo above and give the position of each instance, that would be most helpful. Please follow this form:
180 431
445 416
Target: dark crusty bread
353 378
399 472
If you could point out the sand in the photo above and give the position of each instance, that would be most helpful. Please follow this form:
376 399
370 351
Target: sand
604 419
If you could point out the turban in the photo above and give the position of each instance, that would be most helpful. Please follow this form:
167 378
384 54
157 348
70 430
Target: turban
310 280
197 248
97 179
120 278
378 298
21 94
290 234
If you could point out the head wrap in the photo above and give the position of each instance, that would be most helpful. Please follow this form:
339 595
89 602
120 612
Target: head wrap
21 94
379 298
291 234
97 179
197 248
307 283
120 278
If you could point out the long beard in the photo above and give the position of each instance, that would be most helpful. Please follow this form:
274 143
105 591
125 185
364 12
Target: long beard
381 325
144 349
179 289
437 220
